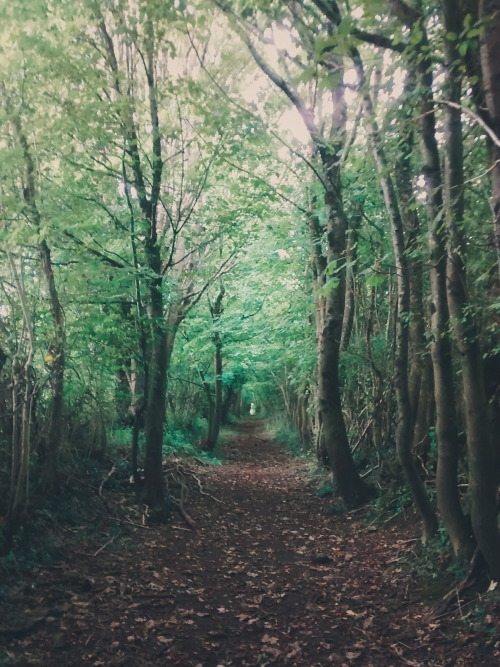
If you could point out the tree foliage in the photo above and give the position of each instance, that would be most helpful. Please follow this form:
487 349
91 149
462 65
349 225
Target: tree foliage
207 205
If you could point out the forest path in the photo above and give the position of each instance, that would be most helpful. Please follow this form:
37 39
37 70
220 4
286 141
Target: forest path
265 579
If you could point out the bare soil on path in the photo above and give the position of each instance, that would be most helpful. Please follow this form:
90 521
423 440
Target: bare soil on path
266 578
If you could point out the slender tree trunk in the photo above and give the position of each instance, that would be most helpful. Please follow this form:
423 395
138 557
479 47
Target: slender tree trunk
22 402
349 484
318 267
140 369
349 311
328 146
489 14
377 382
57 368
55 357
411 223
214 427
217 412
424 415
227 404
148 194
153 491
483 477
137 410
446 428
404 416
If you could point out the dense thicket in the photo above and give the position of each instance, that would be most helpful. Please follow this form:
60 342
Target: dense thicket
214 204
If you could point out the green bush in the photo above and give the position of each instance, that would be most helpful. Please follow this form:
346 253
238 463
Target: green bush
288 437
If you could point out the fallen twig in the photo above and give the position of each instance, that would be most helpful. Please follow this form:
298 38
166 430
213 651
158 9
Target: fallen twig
104 546
105 479
129 523
182 511
185 515
101 485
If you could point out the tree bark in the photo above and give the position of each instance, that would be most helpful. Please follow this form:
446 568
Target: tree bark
55 357
350 304
489 14
412 228
446 428
216 416
483 476
153 491
404 413
22 418
349 484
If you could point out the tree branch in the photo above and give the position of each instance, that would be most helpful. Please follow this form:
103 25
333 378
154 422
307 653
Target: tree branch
492 135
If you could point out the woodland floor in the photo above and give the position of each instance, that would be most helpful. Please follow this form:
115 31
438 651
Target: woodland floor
266 577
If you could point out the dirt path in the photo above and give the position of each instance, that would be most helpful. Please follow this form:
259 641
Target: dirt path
264 579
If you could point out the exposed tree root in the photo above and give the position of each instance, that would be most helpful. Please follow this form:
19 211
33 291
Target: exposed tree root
477 565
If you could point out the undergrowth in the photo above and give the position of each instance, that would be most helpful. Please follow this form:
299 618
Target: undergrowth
287 436
179 440
389 505
39 539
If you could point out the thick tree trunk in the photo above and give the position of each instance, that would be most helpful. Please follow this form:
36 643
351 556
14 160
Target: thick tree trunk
227 404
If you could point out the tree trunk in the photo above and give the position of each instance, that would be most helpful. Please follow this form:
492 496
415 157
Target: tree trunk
228 404
215 423
349 310
57 367
349 484
489 14
318 268
55 357
446 428
483 476
328 146
411 223
22 411
136 410
153 491
404 413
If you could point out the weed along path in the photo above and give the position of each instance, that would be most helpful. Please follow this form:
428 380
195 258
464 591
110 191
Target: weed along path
264 578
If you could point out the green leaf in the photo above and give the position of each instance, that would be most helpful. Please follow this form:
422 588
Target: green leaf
375 280
330 284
